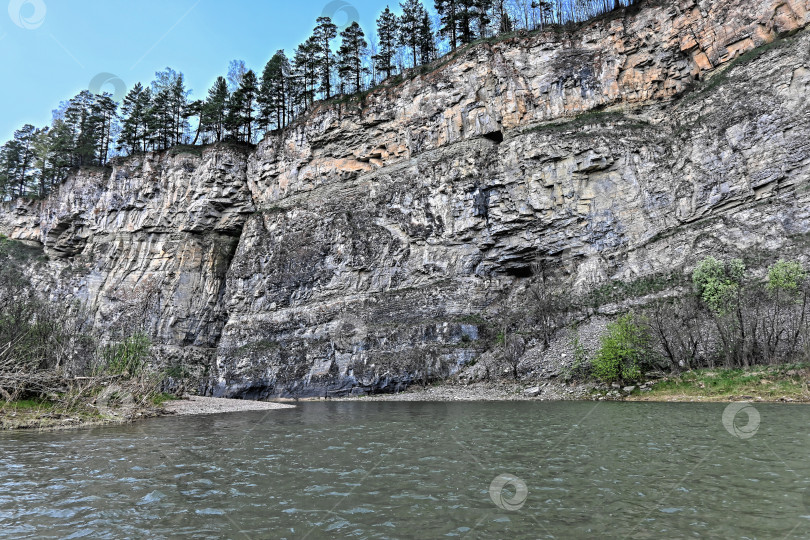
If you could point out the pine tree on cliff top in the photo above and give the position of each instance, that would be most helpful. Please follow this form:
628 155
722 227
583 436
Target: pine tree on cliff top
133 119
350 57
410 23
274 91
387 37
249 89
215 109
325 31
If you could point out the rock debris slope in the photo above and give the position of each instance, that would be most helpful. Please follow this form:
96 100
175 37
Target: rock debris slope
373 239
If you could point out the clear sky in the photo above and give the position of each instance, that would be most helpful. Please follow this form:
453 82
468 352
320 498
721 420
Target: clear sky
52 49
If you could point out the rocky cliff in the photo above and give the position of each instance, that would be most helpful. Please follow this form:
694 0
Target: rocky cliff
382 237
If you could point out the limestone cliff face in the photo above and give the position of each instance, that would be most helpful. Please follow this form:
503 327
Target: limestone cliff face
374 237
146 245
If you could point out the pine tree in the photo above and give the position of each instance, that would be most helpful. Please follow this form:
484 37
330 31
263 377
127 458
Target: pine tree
133 124
166 113
160 119
23 155
387 36
427 40
448 11
410 24
215 109
233 120
306 72
61 138
274 92
464 19
79 115
192 109
350 56
179 102
248 89
481 12
104 113
325 31
545 9
43 161
6 171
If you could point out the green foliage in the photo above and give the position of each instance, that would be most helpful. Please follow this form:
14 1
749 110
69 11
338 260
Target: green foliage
770 382
625 352
159 398
27 404
472 319
601 118
352 50
617 291
186 149
718 283
127 357
722 76
785 276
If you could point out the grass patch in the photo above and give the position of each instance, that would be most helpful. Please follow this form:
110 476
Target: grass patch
472 319
272 210
594 117
616 291
723 75
20 252
29 405
159 399
41 413
186 149
769 383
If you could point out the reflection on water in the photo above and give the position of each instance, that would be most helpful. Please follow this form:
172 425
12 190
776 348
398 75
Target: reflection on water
416 470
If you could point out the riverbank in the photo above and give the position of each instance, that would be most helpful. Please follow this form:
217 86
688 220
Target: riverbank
788 383
486 391
45 415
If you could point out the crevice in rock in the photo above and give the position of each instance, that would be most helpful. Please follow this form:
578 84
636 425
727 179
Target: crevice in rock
494 136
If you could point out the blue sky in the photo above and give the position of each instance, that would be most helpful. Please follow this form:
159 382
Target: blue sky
52 49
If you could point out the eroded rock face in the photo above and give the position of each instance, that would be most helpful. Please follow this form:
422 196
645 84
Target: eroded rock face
362 249
146 245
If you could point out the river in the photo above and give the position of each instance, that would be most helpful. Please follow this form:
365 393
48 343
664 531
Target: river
419 470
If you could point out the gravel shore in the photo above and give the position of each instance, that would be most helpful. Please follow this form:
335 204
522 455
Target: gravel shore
208 405
548 391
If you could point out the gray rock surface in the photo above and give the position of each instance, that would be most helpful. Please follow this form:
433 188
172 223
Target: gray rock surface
376 243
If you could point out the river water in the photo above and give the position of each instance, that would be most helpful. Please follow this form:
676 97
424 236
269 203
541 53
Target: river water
419 470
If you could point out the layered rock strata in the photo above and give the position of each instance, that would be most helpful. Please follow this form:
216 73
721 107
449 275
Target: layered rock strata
380 240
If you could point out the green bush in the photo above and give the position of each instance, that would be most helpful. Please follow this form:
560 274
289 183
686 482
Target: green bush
785 276
625 351
127 357
718 283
